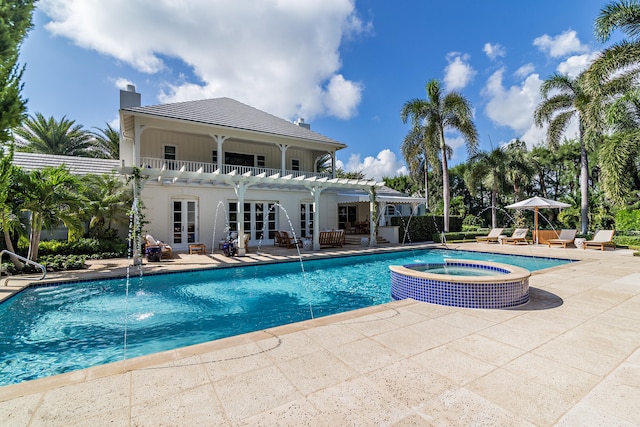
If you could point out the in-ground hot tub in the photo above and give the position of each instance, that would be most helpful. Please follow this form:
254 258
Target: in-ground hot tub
462 283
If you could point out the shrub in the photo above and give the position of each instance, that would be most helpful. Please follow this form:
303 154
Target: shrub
422 228
83 247
628 220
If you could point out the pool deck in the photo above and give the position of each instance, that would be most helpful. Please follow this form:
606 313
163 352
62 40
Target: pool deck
570 357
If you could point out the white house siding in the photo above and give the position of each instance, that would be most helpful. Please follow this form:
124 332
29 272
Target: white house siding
158 199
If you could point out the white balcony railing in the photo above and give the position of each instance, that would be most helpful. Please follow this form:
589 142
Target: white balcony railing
189 166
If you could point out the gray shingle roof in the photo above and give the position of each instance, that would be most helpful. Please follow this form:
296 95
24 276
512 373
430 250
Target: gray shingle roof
76 165
230 113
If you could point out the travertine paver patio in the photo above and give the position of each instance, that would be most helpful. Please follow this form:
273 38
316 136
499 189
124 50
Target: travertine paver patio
569 357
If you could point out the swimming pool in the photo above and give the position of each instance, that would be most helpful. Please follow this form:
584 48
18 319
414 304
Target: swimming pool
47 330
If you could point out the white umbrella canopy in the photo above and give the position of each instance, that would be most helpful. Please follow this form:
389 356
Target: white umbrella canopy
536 203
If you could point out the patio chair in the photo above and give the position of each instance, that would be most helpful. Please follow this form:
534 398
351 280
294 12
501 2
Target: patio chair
165 250
566 237
601 239
277 240
349 228
288 241
491 237
519 236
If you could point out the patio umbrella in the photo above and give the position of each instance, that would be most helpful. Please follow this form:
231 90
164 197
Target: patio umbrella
536 203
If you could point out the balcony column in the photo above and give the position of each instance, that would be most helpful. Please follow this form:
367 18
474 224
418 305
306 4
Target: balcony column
136 145
333 164
283 158
219 139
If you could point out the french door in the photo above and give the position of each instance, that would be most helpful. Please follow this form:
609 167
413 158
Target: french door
258 217
185 222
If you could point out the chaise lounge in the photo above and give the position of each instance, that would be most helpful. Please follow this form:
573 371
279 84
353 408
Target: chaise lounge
491 237
165 250
601 239
566 237
519 236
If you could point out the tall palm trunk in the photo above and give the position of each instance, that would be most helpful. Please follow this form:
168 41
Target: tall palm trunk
445 182
584 185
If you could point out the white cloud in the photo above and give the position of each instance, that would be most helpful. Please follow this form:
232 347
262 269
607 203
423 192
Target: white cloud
525 70
513 107
560 45
385 164
574 65
494 51
122 83
458 73
280 56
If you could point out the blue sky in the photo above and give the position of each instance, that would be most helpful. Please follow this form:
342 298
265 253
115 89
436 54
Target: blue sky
345 66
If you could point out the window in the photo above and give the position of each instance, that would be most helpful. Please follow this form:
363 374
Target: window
238 159
170 156
295 164
260 161
391 210
214 156
347 214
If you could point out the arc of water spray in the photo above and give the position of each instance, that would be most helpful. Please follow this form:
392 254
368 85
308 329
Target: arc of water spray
295 238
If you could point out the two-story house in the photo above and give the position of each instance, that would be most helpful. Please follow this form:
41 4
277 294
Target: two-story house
213 161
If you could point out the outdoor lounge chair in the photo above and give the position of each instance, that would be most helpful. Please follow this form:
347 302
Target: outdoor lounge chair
165 250
491 237
277 240
287 241
519 236
566 237
601 239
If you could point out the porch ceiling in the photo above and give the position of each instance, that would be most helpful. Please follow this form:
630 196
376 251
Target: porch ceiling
218 179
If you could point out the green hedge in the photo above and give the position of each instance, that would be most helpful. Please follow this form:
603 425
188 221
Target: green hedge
628 220
83 247
423 228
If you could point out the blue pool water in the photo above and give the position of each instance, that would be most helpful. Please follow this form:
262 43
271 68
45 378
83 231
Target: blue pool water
47 330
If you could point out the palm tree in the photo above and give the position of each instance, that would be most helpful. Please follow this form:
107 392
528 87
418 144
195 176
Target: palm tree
107 143
564 98
436 114
49 136
621 150
109 199
419 157
490 169
52 195
520 170
9 222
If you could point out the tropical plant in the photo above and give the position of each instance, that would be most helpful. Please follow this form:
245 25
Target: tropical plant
9 222
51 195
520 169
490 169
49 136
435 115
621 150
106 144
109 199
16 22
564 99
420 154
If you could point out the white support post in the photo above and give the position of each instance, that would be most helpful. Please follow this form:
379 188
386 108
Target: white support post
219 139
283 158
241 189
315 192
372 225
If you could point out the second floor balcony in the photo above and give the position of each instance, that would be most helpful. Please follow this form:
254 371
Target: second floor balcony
203 167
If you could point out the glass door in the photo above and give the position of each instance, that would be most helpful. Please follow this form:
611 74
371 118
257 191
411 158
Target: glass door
306 219
185 222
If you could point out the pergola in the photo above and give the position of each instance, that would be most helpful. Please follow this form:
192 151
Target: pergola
241 182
